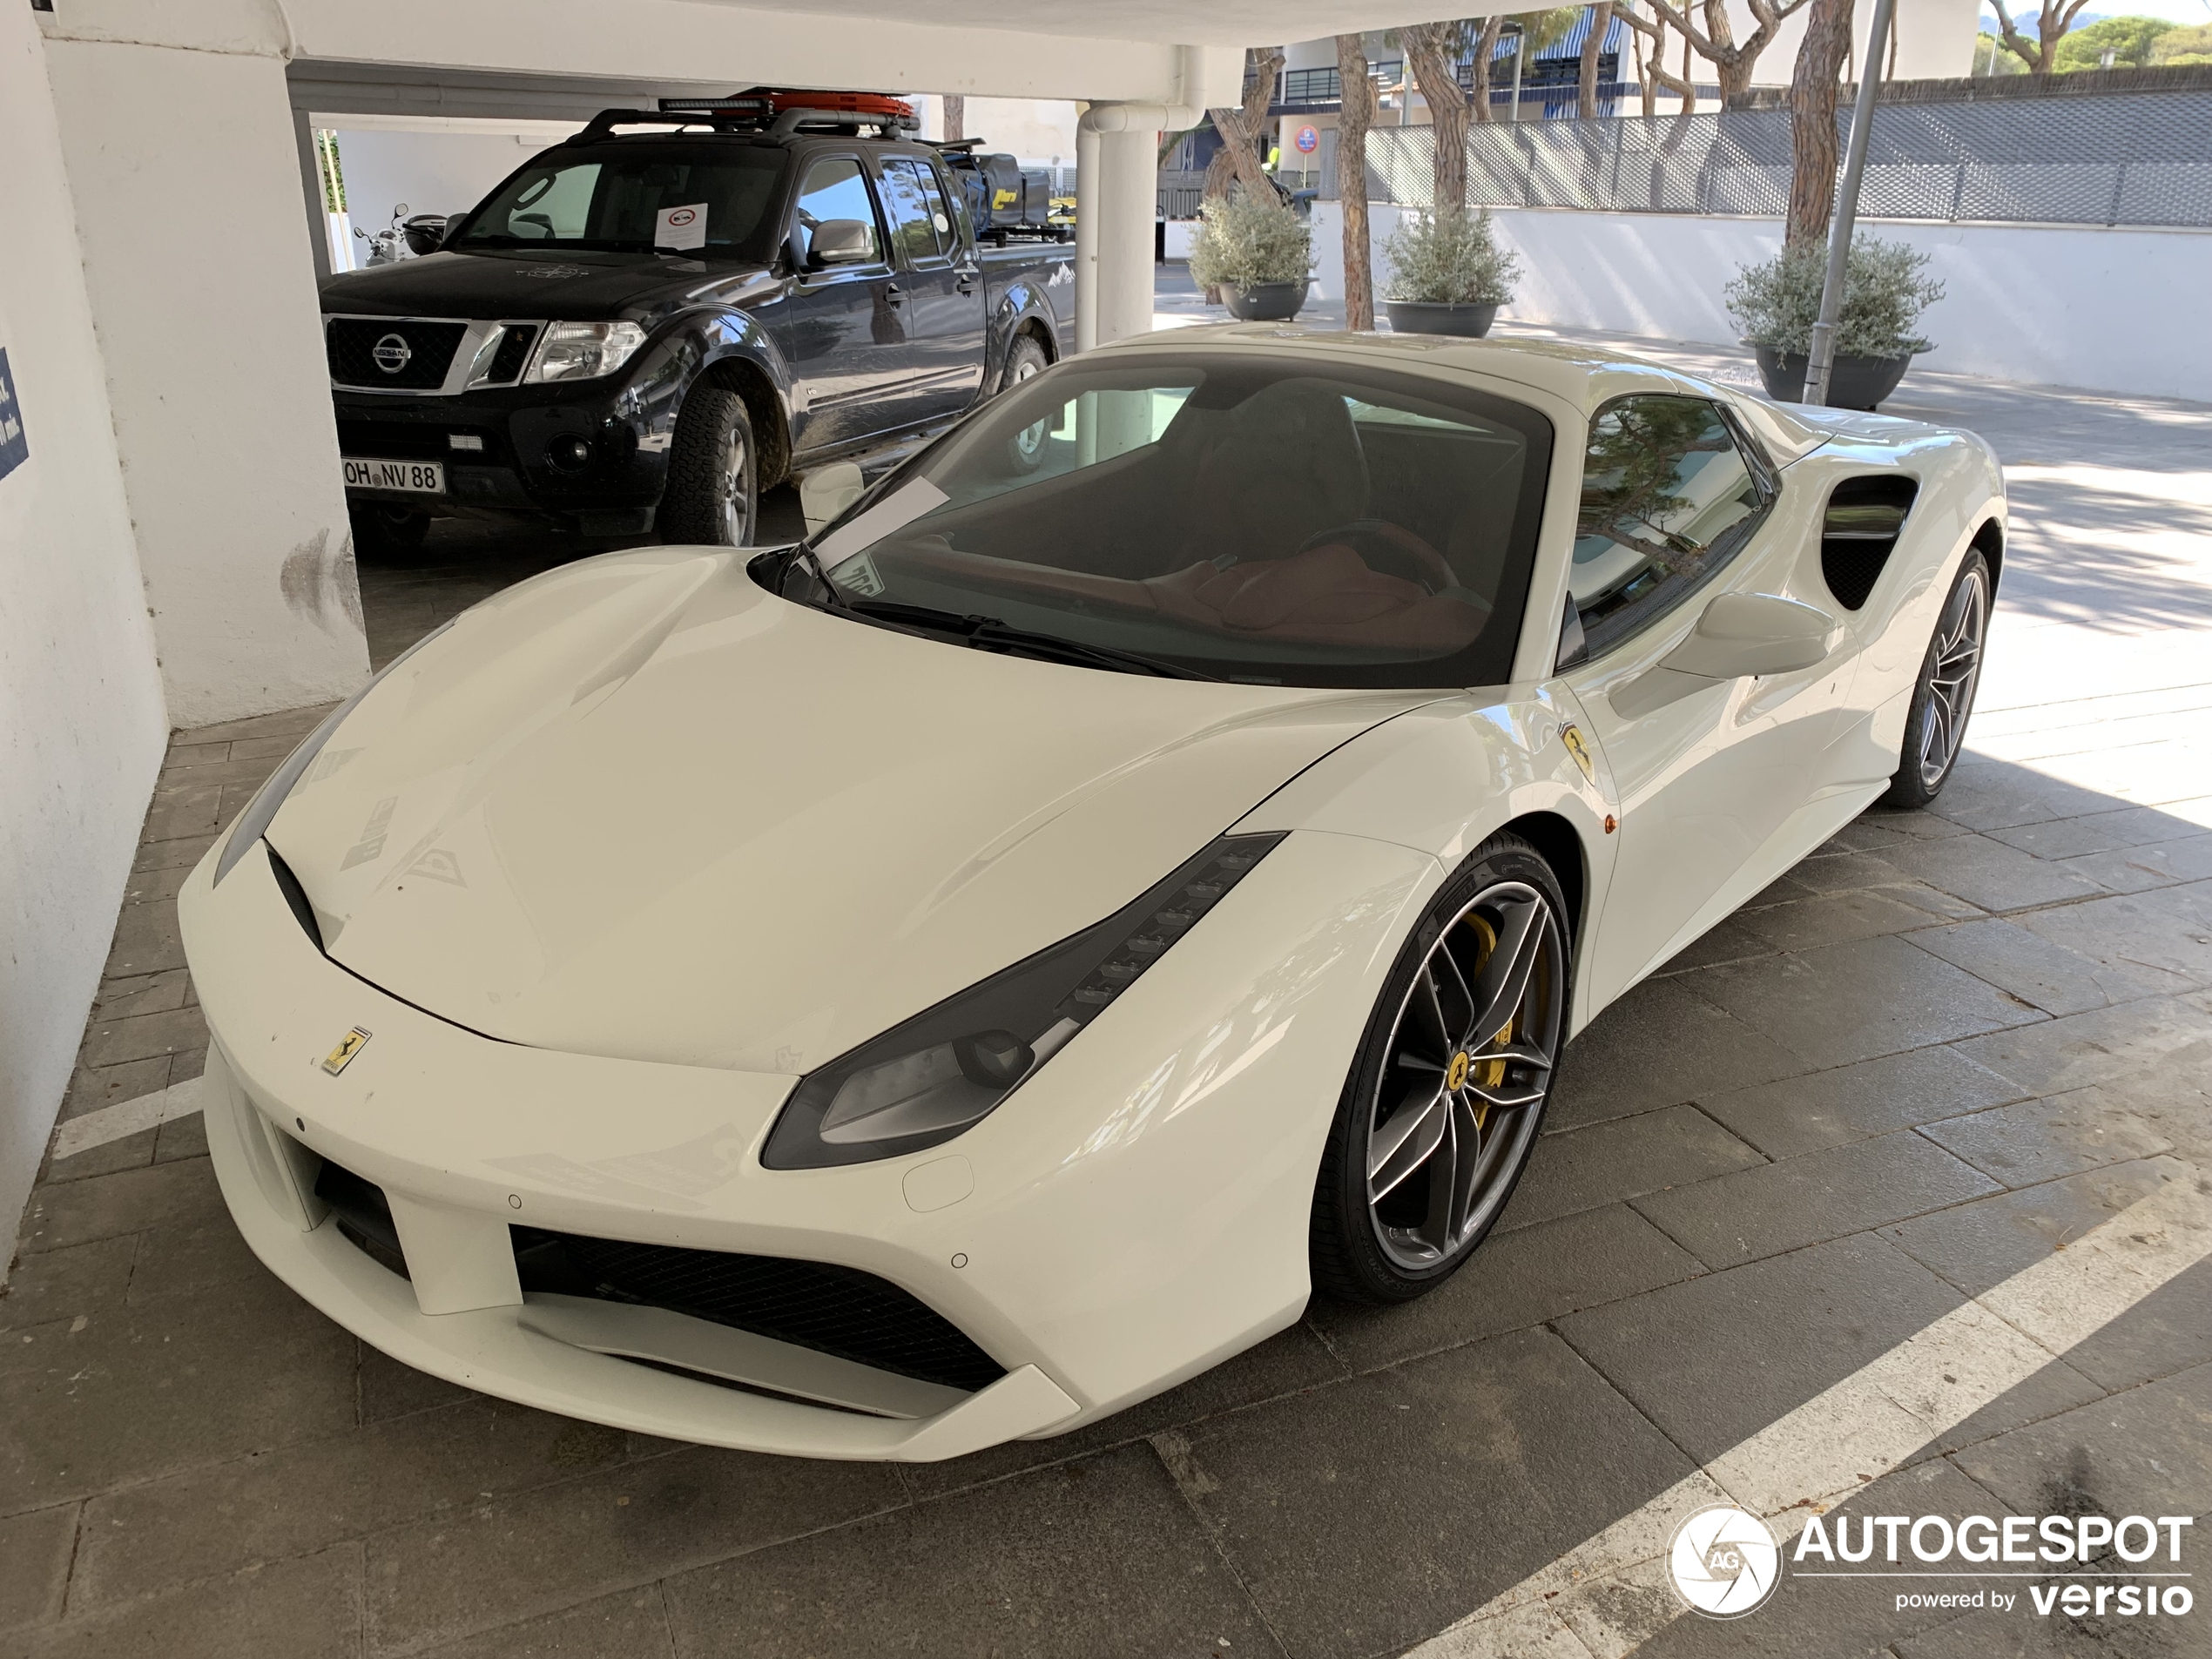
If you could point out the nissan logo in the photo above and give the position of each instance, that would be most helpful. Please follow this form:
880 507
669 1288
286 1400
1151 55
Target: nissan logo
391 353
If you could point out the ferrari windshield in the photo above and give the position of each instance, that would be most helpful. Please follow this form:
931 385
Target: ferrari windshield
1264 516
632 196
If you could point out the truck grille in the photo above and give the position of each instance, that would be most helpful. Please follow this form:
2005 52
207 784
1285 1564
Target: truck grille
414 353
837 1310
400 440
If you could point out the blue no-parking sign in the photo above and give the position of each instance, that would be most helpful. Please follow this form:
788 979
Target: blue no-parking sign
14 448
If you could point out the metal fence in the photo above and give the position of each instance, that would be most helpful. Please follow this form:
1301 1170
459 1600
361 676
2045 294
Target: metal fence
2140 159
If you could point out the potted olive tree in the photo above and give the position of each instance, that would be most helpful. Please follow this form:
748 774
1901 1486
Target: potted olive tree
1257 252
1447 273
1775 304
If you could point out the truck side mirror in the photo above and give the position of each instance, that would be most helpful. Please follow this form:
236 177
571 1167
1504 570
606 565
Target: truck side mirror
840 241
826 491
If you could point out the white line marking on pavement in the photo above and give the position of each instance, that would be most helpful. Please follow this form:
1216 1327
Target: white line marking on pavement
127 1118
1608 1596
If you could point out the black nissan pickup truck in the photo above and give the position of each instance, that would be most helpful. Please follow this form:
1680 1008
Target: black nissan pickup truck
653 321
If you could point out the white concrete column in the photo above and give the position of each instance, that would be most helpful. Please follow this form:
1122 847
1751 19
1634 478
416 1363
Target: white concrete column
1116 202
82 728
182 159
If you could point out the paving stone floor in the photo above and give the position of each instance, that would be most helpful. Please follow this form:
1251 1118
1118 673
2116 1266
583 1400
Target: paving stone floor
1944 1045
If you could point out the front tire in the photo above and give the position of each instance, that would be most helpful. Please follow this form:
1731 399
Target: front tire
1448 1092
713 496
1943 698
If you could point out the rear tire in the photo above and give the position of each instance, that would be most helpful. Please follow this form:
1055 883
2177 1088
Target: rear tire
713 496
1025 360
1942 697
1407 1191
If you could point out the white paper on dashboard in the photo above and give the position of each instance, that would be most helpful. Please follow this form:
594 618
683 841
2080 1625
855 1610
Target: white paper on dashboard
895 511
681 227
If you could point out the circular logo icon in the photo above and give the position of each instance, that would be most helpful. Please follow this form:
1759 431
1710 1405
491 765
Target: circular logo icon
1724 1561
391 354
1456 1075
681 216
1308 140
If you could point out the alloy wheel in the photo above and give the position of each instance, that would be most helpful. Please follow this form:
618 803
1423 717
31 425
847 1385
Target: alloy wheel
1954 669
1469 1062
737 510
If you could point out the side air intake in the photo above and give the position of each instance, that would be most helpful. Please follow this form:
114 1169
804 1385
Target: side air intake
1865 518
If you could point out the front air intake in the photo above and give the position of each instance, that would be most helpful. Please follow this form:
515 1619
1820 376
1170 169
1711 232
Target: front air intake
1864 517
839 1311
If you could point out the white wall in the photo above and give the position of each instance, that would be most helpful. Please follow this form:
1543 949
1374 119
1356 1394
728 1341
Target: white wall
198 263
434 167
2047 306
1032 129
81 723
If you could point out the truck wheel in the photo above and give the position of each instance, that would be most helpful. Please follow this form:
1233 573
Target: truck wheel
1025 360
711 495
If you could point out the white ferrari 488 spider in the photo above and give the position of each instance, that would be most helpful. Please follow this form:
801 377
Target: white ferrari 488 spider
1135 869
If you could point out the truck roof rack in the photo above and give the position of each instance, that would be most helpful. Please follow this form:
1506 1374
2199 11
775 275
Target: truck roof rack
784 111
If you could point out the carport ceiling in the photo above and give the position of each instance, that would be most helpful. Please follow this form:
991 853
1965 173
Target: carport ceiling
1224 22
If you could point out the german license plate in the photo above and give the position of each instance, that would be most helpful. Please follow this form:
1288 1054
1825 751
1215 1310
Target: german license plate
416 477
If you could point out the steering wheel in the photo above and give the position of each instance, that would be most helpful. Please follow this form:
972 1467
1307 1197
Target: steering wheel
1391 549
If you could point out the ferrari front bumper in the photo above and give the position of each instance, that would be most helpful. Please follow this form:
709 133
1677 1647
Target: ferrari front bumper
1135 1214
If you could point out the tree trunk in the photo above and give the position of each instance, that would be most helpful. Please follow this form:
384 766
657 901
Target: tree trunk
1585 88
1238 157
1486 53
955 117
1812 121
1429 53
1354 115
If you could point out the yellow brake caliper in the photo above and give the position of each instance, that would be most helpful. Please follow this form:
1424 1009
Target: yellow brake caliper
1489 1073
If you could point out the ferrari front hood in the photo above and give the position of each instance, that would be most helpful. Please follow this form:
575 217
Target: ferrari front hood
640 807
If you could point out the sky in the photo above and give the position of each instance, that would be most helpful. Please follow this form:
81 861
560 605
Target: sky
2172 10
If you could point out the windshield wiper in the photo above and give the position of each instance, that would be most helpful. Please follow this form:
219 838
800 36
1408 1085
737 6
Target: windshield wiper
988 633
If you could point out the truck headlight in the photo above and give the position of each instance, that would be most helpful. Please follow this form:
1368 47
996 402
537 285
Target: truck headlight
262 809
582 351
942 1072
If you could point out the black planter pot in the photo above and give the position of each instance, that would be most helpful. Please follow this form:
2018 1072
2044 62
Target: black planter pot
1854 382
1265 301
1430 317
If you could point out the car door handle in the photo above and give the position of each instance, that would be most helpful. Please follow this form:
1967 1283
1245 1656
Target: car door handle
895 293
965 281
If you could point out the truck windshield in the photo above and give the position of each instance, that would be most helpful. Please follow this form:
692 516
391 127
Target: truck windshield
632 198
1279 518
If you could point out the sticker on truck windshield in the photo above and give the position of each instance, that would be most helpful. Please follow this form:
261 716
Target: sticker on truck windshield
681 227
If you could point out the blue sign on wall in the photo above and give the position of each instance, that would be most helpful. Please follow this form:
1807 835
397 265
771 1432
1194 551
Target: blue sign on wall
14 448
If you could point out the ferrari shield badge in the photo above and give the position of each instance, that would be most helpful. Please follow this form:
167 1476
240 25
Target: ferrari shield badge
342 1055
1573 738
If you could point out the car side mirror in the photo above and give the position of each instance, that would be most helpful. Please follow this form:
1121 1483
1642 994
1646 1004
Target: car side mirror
1737 636
826 491
840 241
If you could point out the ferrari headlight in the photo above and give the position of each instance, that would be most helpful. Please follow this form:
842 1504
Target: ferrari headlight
255 821
942 1072
582 351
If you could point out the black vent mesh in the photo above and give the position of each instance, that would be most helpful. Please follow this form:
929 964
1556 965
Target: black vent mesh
833 1310
514 352
417 440
1860 531
351 343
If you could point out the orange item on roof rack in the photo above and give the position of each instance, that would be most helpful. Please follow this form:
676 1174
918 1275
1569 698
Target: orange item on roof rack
774 100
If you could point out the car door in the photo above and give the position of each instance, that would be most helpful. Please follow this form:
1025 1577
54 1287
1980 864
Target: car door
840 329
941 287
1678 508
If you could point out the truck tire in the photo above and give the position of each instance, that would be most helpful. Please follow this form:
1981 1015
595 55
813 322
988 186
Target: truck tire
713 496
1025 359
